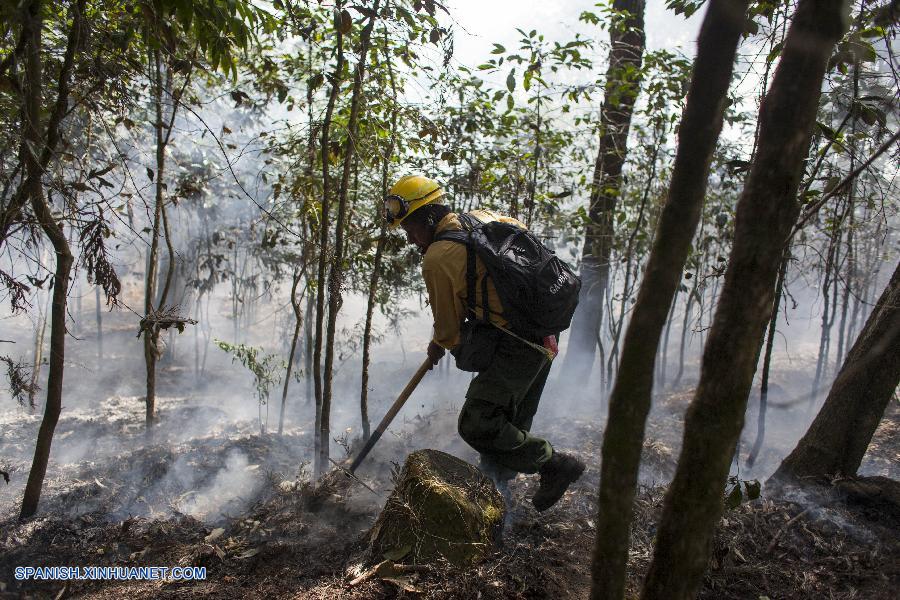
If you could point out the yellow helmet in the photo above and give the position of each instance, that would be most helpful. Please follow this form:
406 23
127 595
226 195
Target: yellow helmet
408 195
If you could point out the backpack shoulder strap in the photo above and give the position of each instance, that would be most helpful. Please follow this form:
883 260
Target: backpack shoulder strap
463 236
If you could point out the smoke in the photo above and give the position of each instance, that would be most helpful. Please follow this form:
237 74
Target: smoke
207 436
232 488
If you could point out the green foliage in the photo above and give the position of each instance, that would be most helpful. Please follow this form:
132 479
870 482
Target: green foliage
738 491
219 28
265 368
685 7
21 386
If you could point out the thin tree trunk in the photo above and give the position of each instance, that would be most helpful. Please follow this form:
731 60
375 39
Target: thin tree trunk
151 333
631 395
308 354
98 312
379 253
197 305
850 261
324 226
824 334
848 282
367 331
840 434
869 273
298 323
335 277
32 142
532 187
767 364
629 253
627 43
767 210
665 345
688 305
39 335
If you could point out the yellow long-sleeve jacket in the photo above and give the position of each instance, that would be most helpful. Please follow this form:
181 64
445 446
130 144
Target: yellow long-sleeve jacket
444 271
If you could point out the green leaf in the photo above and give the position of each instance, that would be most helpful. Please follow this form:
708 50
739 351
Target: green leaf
831 183
733 500
738 166
826 131
509 102
775 51
753 489
511 81
498 49
346 22
185 13
397 553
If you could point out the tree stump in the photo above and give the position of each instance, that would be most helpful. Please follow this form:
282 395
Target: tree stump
442 507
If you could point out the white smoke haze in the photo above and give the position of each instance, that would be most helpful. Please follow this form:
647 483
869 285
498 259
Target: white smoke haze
206 455
230 490
195 463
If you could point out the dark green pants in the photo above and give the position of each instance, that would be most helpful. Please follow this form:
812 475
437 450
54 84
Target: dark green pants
500 405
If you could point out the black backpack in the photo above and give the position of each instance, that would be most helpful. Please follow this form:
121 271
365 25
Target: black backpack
538 291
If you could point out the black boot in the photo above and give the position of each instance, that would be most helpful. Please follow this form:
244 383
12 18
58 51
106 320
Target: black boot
557 474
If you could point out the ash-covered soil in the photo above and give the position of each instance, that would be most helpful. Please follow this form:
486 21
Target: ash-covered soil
208 488
241 504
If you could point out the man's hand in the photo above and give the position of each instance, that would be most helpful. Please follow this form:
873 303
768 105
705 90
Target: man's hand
435 353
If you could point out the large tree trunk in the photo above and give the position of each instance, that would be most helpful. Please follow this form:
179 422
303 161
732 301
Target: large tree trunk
838 437
32 143
631 395
767 210
335 275
622 86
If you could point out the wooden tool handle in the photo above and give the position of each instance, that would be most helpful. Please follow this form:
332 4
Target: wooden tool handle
391 413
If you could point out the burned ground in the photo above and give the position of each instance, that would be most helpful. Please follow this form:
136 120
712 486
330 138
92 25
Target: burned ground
273 534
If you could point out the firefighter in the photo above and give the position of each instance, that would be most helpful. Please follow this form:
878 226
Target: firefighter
502 399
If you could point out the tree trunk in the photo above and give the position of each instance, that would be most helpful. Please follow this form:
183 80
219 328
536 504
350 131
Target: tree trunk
39 335
98 313
627 42
663 363
685 321
298 323
151 333
766 212
335 276
631 395
379 253
324 226
308 354
767 364
850 256
32 142
825 331
840 434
